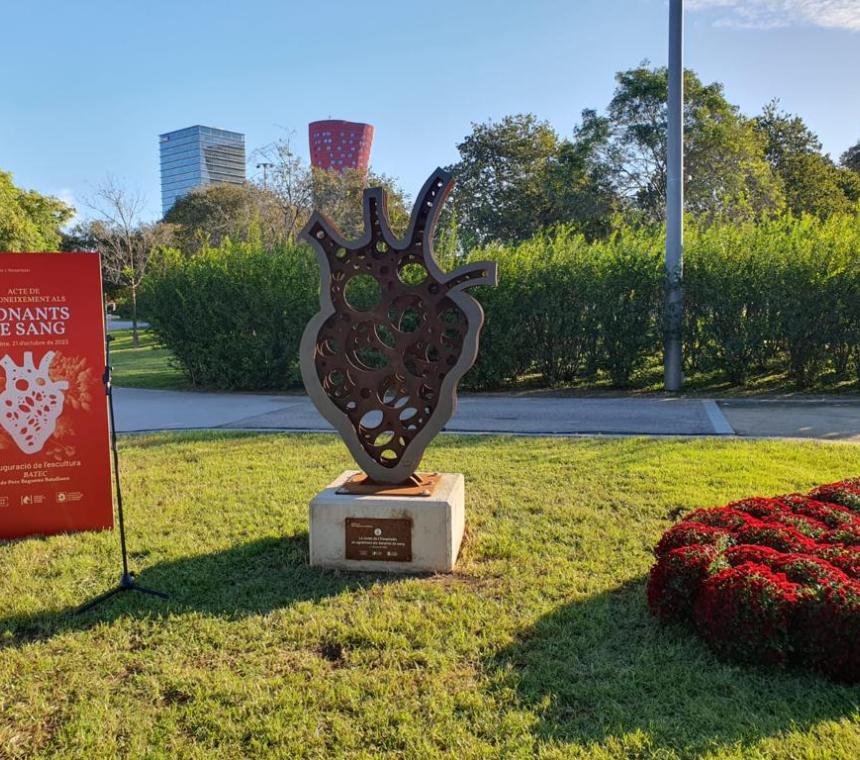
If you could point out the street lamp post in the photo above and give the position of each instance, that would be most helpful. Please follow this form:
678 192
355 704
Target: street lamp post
265 167
672 360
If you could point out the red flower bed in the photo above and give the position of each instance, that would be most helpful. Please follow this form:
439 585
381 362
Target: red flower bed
771 581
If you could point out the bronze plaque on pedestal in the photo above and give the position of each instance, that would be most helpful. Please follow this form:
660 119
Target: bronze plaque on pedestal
379 539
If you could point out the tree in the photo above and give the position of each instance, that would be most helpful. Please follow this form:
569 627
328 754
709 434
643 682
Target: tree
209 214
785 135
290 182
338 195
501 179
298 189
30 221
727 174
516 177
124 241
812 183
850 159
579 189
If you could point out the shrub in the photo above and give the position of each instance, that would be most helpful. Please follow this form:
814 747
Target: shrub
675 582
729 296
233 316
768 580
781 295
744 613
565 308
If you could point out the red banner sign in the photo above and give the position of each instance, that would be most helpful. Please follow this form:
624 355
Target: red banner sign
54 448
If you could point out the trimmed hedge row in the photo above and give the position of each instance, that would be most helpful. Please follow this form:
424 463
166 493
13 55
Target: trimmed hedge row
782 295
233 316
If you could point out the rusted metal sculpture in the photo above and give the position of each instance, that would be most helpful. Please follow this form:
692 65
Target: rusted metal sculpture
382 358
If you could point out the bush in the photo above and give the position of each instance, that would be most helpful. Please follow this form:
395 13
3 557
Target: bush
233 316
765 581
781 295
729 323
566 308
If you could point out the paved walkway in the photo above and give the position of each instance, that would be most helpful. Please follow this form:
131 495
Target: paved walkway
114 324
143 410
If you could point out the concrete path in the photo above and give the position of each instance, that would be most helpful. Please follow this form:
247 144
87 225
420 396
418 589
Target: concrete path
141 410
114 324
822 419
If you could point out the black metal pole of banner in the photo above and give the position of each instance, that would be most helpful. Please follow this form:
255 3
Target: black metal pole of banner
127 581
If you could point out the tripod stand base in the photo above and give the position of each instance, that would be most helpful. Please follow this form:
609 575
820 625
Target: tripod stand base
127 582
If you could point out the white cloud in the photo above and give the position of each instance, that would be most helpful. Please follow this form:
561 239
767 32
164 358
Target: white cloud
766 14
67 196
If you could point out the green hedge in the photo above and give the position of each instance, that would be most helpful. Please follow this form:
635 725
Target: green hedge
233 316
782 295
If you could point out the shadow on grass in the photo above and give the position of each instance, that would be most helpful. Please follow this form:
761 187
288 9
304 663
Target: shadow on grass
250 579
604 668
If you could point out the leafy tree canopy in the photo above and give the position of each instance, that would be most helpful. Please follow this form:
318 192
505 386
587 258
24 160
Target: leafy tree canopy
516 176
725 167
209 214
30 221
851 158
813 184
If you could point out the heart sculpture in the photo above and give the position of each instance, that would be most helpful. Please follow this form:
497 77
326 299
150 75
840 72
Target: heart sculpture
769 580
31 402
382 358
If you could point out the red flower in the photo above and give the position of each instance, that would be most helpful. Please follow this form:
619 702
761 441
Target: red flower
675 580
689 534
769 580
744 612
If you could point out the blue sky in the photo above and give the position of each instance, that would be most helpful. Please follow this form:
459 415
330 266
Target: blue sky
88 86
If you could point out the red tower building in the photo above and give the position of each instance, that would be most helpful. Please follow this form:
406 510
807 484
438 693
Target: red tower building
340 145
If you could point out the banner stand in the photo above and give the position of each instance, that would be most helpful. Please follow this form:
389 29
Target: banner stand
127 581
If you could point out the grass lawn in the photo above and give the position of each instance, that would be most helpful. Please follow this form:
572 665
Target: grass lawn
539 646
147 366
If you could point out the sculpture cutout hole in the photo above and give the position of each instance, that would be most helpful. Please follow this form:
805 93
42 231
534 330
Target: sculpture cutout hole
389 457
383 439
362 292
412 274
371 358
385 336
371 419
340 254
382 246
328 347
407 320
450 316
408 413
336 377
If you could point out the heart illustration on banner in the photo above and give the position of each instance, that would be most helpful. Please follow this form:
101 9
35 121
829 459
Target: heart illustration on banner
31 403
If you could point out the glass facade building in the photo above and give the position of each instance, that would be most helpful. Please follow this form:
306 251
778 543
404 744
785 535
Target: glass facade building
197 156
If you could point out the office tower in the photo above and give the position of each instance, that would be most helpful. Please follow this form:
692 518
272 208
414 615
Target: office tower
197 156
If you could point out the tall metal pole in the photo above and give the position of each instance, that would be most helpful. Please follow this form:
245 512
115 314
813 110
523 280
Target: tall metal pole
672 360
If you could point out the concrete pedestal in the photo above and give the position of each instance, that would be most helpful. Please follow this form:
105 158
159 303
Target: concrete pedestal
420 533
